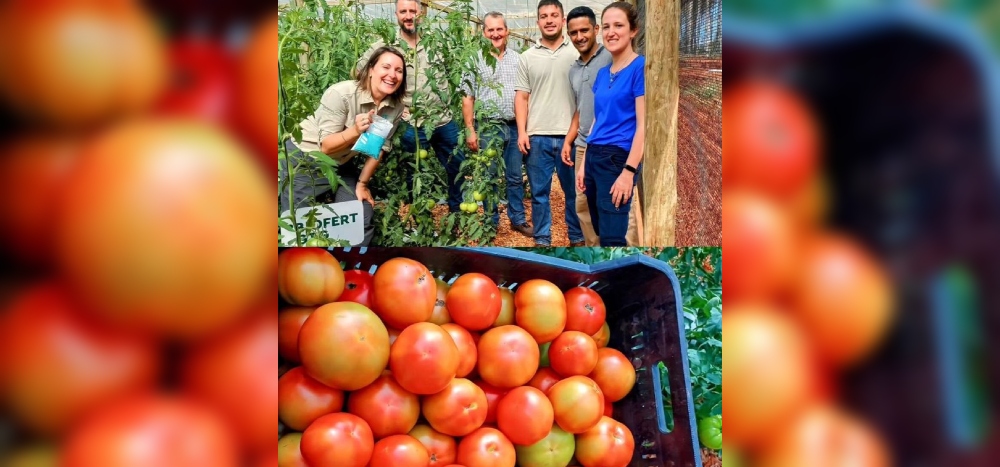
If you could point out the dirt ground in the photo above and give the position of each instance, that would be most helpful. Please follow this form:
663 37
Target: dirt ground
710 459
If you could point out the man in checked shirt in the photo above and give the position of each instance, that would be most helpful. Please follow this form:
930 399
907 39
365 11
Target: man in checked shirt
500 111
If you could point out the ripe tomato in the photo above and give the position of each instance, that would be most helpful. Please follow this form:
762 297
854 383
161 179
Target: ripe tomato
772 139
440 314
467 352
768 359
607 444
493 396
357 287
33 171
393 335
508 357
290 452
574 353
309 276
760 254
603 336
159 425
424 358
289 324
386 407
57 364
609 409
340 439
399 451
540 309
187 189
457 410
258 79
824 435
843 299
243 358
441 447
506 308
201 81
585 310
525 415
404 292
544 379
614 374
344 345
108 61
301 399
486 447
555 449
577 402
474 301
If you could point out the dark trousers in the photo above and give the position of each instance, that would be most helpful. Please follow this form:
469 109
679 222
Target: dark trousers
604 164
444 141
311 186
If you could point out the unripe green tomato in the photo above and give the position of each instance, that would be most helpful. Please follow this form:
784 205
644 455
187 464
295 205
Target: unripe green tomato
478 196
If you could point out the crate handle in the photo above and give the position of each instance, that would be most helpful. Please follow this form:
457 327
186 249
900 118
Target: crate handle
658 392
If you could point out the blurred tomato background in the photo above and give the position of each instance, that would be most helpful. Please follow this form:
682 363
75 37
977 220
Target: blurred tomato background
861 209
137 147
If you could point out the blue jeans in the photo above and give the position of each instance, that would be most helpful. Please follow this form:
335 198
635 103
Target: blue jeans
444 141
544 157
604 164
513 160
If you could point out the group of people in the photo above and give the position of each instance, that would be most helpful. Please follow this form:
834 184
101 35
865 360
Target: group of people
570 107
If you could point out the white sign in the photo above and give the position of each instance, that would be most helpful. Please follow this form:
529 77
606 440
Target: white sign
342 221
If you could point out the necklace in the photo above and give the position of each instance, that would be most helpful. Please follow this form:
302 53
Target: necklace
614 74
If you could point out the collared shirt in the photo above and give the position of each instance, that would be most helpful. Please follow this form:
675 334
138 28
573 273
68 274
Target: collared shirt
489 79
340 104
581 77
418 67
542 72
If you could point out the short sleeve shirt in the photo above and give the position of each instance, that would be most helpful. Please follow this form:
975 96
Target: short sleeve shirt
340 104
543 73
503 76
581 77
415 60
614 104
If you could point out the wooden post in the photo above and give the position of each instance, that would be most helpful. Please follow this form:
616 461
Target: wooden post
659 176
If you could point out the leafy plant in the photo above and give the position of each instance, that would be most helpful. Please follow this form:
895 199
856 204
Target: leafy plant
320 45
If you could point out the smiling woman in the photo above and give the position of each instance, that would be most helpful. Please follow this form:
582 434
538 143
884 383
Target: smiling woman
346 111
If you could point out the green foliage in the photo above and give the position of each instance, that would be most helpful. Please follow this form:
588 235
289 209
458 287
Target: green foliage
320 45
699 274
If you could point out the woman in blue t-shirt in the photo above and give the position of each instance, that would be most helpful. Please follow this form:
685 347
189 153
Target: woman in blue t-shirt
615 144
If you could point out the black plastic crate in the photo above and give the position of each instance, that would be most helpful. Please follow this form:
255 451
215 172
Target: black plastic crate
643 301
909 103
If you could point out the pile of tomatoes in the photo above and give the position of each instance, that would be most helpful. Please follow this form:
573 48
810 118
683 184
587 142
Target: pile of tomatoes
399 368
803 302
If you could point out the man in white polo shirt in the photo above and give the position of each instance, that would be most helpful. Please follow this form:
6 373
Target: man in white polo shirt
544 107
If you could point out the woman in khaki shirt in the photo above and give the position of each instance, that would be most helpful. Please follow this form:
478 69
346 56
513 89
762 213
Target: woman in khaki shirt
345 112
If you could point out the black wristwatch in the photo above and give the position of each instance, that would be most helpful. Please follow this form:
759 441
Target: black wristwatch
629 168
